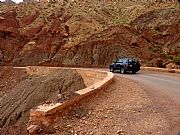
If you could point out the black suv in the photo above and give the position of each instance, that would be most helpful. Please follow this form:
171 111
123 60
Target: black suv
125 65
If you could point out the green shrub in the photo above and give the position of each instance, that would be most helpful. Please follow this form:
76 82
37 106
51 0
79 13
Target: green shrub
153 49
169 57
176 59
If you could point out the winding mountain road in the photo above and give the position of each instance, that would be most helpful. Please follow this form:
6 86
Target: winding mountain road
164 83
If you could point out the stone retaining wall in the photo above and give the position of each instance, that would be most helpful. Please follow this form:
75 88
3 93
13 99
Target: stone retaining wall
94 80
89 76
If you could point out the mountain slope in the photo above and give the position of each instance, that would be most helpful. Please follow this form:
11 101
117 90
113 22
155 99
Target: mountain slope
88 33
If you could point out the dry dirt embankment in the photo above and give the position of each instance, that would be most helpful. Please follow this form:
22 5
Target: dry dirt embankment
9 78
32 90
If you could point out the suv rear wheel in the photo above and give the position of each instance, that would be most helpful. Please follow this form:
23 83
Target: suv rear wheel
122 71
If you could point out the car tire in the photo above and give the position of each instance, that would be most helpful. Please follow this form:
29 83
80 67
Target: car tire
122 71
111 69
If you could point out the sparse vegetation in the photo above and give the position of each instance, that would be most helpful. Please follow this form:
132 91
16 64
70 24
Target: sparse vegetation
176 59
153 49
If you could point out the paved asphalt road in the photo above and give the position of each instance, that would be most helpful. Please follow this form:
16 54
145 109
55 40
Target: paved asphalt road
165 83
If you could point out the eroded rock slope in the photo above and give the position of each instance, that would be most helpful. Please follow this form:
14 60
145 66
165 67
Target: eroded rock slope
88 33
34 90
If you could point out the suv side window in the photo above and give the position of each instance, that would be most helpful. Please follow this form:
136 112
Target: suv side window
120 61
125 61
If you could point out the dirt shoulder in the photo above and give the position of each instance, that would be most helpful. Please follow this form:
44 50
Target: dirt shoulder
123 108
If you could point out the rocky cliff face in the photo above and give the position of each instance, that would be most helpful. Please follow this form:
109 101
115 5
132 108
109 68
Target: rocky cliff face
100 49
11 42
161 28
52 34
22 43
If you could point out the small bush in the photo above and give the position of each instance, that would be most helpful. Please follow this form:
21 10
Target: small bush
176 59
169 57
153 49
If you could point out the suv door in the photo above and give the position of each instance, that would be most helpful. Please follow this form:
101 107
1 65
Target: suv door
118 64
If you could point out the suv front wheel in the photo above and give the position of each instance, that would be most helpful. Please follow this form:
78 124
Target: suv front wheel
111 69
122 70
